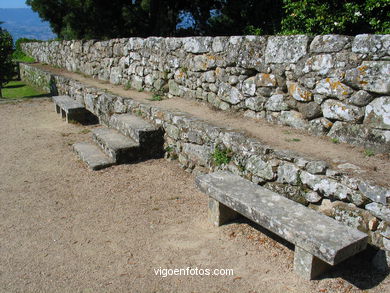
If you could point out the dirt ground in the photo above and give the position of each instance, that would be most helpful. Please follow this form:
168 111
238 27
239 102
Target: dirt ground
64 228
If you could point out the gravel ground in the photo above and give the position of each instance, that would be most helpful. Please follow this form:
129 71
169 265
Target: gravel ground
64 228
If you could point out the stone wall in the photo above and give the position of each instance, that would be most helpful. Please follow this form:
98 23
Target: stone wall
201 147
329 85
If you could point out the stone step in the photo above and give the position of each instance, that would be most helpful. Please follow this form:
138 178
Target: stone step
150 138
117 146
72 110
92 155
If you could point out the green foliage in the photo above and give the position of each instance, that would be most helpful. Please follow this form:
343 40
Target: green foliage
18 54
369 153
7 69
222 156
157 97
336 17
19 90
335 140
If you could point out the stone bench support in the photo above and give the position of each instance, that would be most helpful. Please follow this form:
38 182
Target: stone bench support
320 241
70 109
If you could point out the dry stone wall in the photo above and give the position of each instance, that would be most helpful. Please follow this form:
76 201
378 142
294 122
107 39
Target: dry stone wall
329 85
195 144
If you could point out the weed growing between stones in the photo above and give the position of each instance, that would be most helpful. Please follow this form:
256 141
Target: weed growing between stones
156 97
141 90
369 153
127 86
293 139
335 140
222 156
85 131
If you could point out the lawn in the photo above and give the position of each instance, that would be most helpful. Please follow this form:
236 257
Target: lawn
19 90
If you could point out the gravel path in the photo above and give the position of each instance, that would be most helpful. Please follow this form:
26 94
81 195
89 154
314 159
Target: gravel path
64 228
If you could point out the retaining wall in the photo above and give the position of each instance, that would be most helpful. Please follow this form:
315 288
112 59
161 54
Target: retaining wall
329 85
194 143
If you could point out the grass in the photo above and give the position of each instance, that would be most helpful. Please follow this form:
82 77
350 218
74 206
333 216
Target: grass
222 156
292 139
24 59
335 140
369 153
19 90
156 97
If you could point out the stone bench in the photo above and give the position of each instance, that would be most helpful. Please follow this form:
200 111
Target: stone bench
70 109
320 241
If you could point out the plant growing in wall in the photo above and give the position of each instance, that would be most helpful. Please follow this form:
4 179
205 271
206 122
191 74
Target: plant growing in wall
221 155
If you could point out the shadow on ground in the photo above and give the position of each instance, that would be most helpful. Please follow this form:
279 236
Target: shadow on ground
357 270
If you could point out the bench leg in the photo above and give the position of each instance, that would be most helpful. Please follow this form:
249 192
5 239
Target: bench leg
220 214
307 265
57 108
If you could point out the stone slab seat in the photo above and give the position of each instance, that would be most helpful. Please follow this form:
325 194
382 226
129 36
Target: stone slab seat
92 155
120 148
320 241
150 137
69 108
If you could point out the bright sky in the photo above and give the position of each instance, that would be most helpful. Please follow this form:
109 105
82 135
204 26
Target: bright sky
13 4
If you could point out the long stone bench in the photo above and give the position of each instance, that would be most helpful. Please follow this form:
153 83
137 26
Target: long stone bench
320 241
70 109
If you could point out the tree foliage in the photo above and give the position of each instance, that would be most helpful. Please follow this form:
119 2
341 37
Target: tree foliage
336 17
6 65
102 19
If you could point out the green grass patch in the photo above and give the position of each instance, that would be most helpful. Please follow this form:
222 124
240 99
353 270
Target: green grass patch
156 97
19 90
369 153
222 156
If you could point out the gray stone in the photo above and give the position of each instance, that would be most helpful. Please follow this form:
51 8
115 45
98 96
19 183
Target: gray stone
220 214
328 43
249 86
308 266
137 82
298 92
197 45
259 168
371 76
294 119
316 167
326 186
378 113
210 76
173 132
288 173
359 134
255 103
201 154
321 64
361 98
286 49
379 210
304 227
374 45
289 191
337 110
174 88
135 127
92 155
116 75
265 80
375 193
312 196
276 103
332 87
230 94
120 148
309 110
352 216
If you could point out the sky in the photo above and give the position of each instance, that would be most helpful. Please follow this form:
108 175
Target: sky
13 4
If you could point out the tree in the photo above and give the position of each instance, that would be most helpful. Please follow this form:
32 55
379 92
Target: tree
336 17
6 66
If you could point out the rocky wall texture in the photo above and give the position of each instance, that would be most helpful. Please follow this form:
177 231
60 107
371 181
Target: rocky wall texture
201 147
329 85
